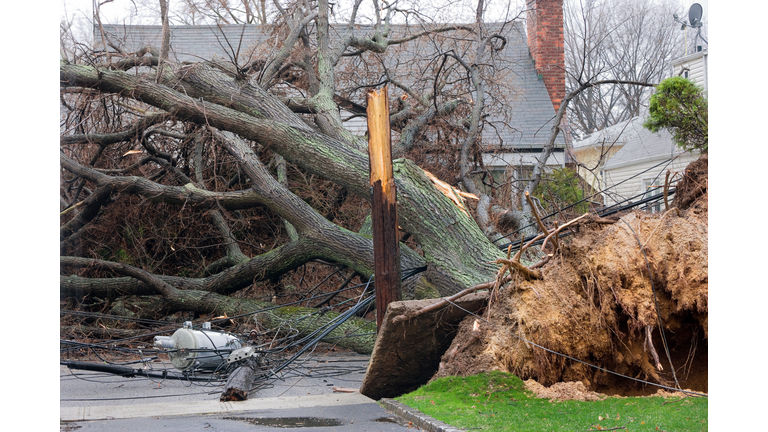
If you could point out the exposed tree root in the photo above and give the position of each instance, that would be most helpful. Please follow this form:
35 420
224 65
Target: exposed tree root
595 304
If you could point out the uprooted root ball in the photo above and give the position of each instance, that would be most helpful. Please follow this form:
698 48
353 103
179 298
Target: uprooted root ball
596 303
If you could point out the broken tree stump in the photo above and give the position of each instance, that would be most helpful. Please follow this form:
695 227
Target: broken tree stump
238 385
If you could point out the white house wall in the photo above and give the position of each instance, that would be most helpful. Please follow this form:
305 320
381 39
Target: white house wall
358 125
697 67
634 187
504 160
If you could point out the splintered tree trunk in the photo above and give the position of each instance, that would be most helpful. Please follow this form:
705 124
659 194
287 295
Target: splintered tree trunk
384 208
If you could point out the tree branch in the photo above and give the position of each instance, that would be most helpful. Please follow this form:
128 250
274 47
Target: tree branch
166 290
328 158
125 135
188 194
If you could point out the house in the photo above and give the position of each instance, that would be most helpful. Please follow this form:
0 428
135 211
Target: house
538 63
694 67
595 149
639 168
626 161
530 82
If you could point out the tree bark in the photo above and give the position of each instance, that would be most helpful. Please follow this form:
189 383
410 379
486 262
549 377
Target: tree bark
453 245
238 384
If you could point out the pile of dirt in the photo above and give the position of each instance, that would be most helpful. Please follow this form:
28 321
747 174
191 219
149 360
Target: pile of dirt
563 391
597 304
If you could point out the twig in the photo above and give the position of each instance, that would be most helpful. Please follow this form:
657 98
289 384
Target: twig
614 428
543 261
602 220
682 398
560 228
558 209
134 108
70 208
554 233
536 213
527 245
498 283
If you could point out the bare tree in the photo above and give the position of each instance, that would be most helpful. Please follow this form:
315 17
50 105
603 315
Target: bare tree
198 12
627 41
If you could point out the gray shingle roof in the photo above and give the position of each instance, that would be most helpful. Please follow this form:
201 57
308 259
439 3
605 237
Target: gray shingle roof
524 122
190 43
531 112
640 144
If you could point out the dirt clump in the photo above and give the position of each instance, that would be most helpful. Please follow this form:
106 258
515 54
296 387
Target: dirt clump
693 185
598 304
563 391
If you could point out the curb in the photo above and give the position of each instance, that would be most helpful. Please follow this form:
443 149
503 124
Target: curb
417 417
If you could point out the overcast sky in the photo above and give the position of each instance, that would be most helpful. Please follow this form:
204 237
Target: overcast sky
119 10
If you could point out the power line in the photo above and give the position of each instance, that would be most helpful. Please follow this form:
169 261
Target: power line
604 211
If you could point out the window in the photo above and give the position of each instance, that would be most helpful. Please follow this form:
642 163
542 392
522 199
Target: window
652 187
524 172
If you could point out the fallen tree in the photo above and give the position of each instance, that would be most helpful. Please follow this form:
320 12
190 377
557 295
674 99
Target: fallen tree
214 140
174 176
629 297
304 320
209 139
452 243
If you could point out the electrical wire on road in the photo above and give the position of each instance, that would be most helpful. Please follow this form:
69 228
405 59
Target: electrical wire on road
279 359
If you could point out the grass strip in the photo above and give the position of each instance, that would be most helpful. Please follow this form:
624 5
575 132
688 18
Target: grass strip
498 401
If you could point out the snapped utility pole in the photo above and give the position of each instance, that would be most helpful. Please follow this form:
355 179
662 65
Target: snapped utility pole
386 252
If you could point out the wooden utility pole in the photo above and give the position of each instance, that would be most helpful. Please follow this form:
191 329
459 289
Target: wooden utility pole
386 252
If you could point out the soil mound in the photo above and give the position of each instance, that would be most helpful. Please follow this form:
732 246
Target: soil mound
563 391
602 301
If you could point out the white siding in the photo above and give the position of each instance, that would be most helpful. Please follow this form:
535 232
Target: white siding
504 160
696 64
357 125
634 187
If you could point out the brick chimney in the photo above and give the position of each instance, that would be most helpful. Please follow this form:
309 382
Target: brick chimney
545 40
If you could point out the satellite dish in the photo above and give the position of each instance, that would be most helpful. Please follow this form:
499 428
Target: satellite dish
694 15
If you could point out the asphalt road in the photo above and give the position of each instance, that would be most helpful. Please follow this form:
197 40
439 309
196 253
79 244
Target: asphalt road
304 398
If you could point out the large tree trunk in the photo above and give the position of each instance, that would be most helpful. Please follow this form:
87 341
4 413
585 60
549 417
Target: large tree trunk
455 249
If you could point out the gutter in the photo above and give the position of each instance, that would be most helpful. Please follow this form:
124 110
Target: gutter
607 167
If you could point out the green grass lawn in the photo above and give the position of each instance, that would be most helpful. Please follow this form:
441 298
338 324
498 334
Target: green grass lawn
497 401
